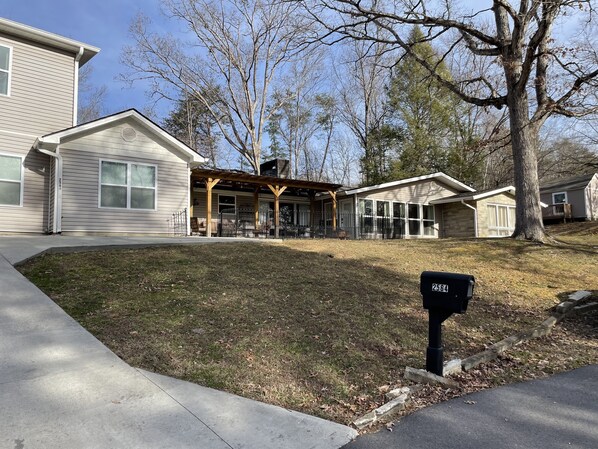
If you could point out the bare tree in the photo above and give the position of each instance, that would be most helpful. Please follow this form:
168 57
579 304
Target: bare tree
239 46
362 80
536 76
91 98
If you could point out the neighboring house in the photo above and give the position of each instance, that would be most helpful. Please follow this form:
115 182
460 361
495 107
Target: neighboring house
571 198
118 174
429 206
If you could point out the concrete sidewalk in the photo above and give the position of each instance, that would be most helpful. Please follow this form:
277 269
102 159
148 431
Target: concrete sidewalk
62 388
554 413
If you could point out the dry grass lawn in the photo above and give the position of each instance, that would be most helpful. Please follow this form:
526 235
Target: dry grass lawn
319 326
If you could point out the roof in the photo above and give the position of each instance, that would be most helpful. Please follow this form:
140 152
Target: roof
474 196
49 39
575 182
56 137
238 176
446 179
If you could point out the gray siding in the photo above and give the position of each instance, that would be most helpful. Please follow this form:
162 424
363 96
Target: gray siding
32 216
577 199
81 214
42 82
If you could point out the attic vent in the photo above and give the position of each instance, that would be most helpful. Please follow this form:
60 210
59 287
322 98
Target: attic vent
129 134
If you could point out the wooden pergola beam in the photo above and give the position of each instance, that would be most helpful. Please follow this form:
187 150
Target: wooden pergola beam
277 191
333 196
210 183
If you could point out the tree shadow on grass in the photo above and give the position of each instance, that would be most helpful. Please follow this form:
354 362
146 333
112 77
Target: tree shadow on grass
302 330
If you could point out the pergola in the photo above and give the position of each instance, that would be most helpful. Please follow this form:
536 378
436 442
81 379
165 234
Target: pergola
258 183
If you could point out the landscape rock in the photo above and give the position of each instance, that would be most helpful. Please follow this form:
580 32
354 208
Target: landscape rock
366 420
394 406
397 392
452 367
586 307
579 295
478 359
564 306
419 375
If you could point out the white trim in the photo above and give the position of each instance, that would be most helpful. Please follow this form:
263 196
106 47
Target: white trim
46 38
9 71
22 181
475 196
560 193
445 178
56 137
128 186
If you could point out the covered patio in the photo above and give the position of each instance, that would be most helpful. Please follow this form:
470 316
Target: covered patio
239 194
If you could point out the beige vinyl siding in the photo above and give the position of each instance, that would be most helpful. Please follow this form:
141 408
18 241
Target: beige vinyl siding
41 90
81 171
482 205
32 216
420 192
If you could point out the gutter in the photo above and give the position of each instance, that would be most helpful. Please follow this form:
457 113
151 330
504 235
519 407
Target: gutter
57 213
475 217
76 85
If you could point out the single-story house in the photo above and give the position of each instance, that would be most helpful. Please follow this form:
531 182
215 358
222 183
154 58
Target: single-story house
573 198
429 206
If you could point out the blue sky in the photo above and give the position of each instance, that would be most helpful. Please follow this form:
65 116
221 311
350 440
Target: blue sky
104 24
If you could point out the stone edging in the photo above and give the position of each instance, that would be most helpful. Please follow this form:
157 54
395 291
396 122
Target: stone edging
398 398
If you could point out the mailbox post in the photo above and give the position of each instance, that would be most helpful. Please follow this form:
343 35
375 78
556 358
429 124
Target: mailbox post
443 294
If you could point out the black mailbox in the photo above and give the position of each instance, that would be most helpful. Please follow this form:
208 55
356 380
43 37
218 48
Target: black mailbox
446 291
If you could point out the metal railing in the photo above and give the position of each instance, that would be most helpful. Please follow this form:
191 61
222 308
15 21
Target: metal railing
178 223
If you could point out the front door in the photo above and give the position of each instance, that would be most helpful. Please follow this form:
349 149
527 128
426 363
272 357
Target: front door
346 218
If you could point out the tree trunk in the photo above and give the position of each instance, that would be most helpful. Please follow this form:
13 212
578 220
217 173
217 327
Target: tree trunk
524 140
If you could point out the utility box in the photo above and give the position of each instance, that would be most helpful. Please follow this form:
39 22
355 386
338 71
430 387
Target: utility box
450 292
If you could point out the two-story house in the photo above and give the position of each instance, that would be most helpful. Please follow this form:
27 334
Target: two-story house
118 174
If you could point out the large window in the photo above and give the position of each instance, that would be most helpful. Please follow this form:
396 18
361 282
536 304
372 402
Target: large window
398 220
559 198
382 217
126 185
428 219
366 212
5 62
501 220
414 219
11 180
227 204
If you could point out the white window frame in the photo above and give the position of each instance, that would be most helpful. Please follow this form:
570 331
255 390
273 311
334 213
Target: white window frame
363 216
433 220
9 71
560 193
226 204
409 219
510 226
128 186
22 181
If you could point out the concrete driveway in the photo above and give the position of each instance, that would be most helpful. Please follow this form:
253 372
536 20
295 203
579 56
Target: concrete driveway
62 388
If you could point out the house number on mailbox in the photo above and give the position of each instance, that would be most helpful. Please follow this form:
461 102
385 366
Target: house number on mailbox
442 288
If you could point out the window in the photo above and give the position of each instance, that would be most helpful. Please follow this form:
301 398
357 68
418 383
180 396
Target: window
382 217
428 219
126 185
5 62
227 204
366 212
11 180
398 220
501 220
413 219
559 198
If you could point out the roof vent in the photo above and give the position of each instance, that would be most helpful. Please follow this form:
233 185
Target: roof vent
129 134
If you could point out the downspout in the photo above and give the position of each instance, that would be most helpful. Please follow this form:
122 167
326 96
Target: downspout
57 219
76 85
189 199
475 217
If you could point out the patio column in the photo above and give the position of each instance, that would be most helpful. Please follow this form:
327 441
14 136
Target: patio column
333 196
210 183
312 213
277 191
256 208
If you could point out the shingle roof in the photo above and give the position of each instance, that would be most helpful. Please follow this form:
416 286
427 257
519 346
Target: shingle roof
567 183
